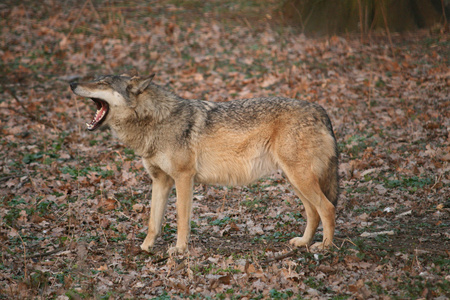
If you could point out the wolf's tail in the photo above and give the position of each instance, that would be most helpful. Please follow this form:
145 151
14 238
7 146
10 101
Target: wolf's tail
329 181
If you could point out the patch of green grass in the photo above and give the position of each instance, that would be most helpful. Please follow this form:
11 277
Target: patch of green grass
356 144
194 227
361 244
340 297
380 83
411 184
203 269
168 232
414 286
223 221
382 238
376 287
313 282
75 295
119 237
164 296
358 189
49 152
286 294
277 236
31 157
443 262
253 205
43 207
130 153
39 279
75 172
227 270
128 200
430 41
105 296
14 208
294 215
364 209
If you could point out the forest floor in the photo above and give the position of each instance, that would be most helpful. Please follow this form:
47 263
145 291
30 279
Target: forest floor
74 204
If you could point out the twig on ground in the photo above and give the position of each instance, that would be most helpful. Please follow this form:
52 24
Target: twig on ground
347 240
437 180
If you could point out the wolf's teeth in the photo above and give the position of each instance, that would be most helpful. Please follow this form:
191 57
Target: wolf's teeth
99 114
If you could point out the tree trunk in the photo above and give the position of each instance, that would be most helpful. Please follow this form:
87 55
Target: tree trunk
341 16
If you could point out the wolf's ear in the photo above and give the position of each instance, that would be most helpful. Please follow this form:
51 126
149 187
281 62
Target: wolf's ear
140 84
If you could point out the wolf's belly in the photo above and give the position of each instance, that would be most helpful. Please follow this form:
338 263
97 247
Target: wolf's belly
234 170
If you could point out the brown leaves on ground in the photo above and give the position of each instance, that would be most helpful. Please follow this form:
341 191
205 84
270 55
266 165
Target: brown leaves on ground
74 204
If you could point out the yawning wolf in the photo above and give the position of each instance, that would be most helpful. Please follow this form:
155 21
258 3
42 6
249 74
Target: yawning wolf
185 141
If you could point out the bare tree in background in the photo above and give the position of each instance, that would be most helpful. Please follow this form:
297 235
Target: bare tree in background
333 17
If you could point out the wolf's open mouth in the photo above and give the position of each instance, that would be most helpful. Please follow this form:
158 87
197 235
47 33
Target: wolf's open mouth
100 115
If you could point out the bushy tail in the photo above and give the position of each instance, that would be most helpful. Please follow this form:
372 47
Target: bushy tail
329 183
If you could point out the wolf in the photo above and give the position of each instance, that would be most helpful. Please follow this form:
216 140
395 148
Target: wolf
183 142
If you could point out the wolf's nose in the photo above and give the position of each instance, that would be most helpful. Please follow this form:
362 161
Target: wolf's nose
73 85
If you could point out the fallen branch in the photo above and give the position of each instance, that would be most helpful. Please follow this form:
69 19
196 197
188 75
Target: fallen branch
59 249
280 257
375 234
28 113
161 260
7 178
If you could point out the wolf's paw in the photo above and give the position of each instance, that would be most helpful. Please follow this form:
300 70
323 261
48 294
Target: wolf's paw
146 247
299 242
177 250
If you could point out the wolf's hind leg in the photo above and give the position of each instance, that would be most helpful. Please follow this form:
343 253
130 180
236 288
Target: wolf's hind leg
162 184
312 222
316 205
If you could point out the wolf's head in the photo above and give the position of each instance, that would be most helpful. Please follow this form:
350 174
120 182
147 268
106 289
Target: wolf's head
111 93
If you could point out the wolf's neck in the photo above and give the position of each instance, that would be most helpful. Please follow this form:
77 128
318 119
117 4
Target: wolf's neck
138 127
135 134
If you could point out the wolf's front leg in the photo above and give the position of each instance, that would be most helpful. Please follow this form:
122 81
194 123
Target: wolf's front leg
162 184
184 186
